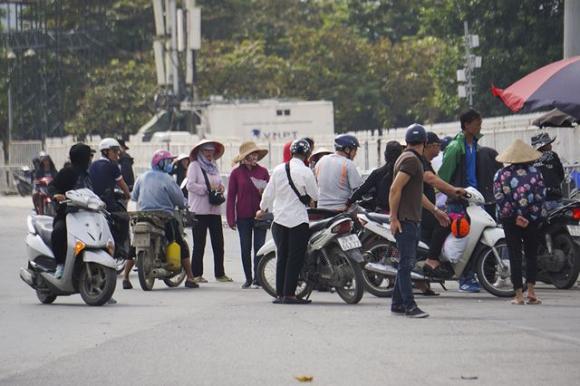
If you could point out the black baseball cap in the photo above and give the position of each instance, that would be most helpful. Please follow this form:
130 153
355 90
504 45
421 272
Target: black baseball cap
122 143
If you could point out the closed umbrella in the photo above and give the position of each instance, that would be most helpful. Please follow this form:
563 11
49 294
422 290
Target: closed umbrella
556 85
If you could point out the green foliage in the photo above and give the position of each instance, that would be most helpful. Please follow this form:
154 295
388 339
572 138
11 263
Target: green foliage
117 99
383 63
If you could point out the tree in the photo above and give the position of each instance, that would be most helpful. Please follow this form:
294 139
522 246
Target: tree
117 99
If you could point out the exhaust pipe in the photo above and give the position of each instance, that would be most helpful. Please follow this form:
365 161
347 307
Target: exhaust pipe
26 277
388 270
160 273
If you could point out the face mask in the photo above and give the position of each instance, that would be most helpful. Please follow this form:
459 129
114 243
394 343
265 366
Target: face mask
168 167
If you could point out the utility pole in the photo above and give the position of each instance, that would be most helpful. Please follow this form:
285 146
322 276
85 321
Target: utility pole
466 74
571 28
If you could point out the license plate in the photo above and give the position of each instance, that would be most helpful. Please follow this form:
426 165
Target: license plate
574 230
141 241
349 242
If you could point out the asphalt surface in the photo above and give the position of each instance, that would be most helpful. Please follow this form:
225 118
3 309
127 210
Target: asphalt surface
223 335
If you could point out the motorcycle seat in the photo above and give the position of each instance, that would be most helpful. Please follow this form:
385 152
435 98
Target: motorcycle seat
43 227
318 225
380 218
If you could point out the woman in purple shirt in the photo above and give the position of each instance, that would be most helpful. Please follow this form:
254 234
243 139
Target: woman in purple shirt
203 164
246 184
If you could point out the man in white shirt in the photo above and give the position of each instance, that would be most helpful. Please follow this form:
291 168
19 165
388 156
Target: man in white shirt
337 175
291 189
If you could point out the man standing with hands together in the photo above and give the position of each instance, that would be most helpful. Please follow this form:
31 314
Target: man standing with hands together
405 201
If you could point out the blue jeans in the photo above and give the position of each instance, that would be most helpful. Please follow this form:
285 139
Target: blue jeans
407 242
245 230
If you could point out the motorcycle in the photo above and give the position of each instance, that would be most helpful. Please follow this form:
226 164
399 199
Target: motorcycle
23 180
89 268
486 252
333 259
559 249
43 204
151 248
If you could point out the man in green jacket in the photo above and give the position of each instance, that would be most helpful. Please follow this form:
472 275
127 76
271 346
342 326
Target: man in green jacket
459 168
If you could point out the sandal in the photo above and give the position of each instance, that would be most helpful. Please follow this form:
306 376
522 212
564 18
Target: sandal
534 300
517 302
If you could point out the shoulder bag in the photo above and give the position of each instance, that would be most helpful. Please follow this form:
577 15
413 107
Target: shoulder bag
215 198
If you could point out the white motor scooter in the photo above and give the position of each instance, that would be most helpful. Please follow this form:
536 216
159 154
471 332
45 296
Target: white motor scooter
485 253
89 268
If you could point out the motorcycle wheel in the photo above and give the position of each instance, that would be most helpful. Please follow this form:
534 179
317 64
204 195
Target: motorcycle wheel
45 298
119 265
378 285
97 284
567 277
492 277
353 290
146 279
267 275
175 281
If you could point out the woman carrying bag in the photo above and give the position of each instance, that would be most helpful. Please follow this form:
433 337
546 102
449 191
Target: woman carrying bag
520 195
245 187
205 188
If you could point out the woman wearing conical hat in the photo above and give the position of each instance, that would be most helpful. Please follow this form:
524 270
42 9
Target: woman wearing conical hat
247 181
520 195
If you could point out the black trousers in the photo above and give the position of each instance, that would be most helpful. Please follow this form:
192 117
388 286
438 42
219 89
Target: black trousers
291 250
519 239
438 237
58 239
212 222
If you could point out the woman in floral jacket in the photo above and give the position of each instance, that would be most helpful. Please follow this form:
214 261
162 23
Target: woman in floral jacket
520 195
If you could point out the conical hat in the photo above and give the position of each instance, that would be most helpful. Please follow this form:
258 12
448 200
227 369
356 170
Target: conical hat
219 149
319 153
248 148
518 152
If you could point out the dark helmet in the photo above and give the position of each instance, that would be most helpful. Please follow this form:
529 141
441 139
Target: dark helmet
345 141
80 155
416 134
300 146
392 151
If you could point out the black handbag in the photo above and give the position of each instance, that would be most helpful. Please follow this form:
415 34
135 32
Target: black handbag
215 198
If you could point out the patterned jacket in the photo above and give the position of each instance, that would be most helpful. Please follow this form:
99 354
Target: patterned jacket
519 191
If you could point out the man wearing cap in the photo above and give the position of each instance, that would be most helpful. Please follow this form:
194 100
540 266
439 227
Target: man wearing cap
551 168
126 164
431 232
74 176
405 201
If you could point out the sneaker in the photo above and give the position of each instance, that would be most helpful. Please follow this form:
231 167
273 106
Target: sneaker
111 301
470 286
398 310
127 284
199 279
59 271
191 284
223 279
256 285
247 285
416 312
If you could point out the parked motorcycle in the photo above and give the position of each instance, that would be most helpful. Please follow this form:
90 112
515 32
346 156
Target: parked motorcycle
89 268
333 260
559 249
42 201
23 180
486 253
151 247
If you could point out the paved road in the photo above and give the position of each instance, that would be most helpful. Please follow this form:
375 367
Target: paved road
222 335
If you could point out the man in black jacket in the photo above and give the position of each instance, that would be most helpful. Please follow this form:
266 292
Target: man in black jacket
75 176
551 168
487 166
126 164
380 180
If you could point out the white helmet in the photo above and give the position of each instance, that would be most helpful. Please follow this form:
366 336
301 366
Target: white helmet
108 143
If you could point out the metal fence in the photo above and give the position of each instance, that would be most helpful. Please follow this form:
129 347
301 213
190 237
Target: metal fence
498 133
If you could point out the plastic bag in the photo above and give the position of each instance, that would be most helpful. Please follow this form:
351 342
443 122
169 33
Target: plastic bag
453 248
